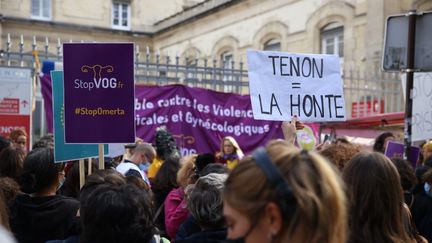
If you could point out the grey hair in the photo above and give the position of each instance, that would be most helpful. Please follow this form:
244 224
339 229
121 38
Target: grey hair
205 201
214 179
143 147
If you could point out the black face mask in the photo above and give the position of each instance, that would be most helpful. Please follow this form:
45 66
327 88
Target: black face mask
238 240
242 239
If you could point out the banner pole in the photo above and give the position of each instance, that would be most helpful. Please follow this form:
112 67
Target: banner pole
81 172
90 163
101 157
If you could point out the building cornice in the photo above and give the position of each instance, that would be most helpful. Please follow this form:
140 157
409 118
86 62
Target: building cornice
188 15
192 14
74 27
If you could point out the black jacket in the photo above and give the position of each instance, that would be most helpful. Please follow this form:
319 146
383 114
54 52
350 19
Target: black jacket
206 236
189 227
38 219
421 210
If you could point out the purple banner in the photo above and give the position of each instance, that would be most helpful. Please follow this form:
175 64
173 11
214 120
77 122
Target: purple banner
396 150
99 93
46 90
200 118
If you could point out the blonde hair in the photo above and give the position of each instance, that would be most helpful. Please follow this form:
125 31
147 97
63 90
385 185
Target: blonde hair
186 170
320 214
234 143
427 146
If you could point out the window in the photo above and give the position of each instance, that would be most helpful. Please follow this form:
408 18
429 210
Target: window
121 16
191 67
332 39
41 9
272 45
227 59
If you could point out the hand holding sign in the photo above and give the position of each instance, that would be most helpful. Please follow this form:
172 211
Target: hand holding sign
283 85
289 131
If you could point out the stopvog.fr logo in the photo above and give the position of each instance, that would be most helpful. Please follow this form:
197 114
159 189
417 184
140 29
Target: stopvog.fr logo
100 78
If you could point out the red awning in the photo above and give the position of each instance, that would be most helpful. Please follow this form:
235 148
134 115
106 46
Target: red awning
381 120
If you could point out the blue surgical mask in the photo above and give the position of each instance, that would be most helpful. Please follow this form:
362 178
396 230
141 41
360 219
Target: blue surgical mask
144 166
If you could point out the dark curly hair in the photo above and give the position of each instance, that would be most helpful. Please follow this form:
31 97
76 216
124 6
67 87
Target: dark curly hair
9 187
117 214
165 143
44 142
379 145
340 154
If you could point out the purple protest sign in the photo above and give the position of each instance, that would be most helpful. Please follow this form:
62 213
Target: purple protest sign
200 118
99 92
396 150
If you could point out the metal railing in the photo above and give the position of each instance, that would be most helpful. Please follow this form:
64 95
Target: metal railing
203 73
153 68
373 94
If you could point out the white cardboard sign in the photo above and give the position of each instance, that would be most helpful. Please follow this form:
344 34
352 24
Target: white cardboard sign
422 106
284 84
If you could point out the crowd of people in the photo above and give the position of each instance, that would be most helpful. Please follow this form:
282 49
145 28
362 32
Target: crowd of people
339 192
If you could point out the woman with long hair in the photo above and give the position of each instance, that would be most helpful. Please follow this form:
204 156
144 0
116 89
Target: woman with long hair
164 182
19 138
282 194
376 201
230 152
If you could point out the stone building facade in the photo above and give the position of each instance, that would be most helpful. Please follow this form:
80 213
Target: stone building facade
214 29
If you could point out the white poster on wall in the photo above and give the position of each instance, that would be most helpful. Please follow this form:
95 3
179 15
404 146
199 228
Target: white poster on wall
422 106
284 84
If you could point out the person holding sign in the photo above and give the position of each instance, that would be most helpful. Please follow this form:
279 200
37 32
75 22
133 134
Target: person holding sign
381 142
230 153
